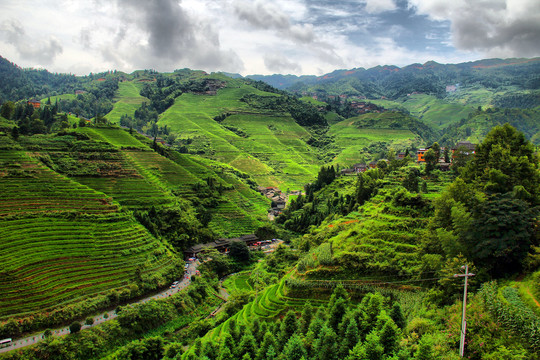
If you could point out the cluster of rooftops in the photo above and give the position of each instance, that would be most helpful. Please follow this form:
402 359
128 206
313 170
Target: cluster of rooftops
466 146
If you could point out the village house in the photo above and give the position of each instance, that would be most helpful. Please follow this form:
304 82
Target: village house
470 147
444 166
360 168
35 103
420 154
347 171
221 245
279 200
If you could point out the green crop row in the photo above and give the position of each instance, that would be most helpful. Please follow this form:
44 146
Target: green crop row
63 259
510 310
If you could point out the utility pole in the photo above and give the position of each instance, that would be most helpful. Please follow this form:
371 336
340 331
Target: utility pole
463 318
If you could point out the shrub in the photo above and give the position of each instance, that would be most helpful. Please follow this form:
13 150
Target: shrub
75 327
420 326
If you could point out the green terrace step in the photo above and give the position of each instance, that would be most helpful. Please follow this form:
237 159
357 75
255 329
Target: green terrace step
36 188
61 259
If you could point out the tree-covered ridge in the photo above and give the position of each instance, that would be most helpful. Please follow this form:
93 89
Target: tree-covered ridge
392 220
491 209
18 84
431 77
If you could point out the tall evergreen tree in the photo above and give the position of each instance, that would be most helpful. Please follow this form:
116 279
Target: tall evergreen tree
373 347
288 327
271 354
305 318
350 339
337 312
15 133
269 341
396 314
504 159
294 349
338 293
226 354
325 347
389 337
247 346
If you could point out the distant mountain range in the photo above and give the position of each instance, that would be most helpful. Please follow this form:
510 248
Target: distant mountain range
525 72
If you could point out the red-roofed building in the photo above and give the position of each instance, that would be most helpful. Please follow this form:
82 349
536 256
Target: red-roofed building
35 103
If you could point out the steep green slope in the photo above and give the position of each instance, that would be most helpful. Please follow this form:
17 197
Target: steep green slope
127 100
70 241
152 179
435 112
262 142
364 137
61 206
479 122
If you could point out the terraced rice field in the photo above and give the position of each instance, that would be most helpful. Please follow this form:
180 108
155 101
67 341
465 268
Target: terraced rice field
277 156
241 210
61 241
268 304
280 149
29 187
65 259
116 137
353 141
128 99
383 238
238 283
131 193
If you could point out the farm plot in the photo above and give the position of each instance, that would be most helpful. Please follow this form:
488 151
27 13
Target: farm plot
375 242
268 304
244 140
279 148
60 260
354 141
128 99
115 136
241 209
29 187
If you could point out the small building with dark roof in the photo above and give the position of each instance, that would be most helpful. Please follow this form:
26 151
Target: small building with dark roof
221 245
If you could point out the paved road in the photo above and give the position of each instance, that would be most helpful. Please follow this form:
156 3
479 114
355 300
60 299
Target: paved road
35 338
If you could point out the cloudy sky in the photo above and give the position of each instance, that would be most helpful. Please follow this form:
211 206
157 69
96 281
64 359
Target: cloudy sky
262 36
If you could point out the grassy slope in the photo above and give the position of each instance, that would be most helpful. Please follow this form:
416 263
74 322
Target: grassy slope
240 210
274 155
353 141
71 241
384 235
435 112
127 100
263 153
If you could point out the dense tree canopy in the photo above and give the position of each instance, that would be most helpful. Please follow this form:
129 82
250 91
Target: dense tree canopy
503 161
492 208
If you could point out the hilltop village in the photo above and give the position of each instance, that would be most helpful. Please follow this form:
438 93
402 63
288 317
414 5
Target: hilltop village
445 159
